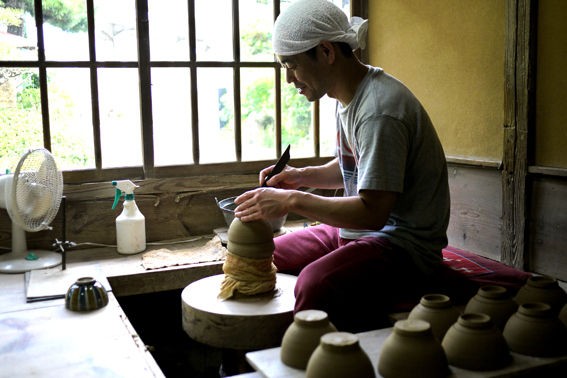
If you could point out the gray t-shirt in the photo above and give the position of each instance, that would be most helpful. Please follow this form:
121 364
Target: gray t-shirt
387 142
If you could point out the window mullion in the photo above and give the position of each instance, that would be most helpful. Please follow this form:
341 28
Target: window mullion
193 77
278 89
42 75
236 82
145 86
95 110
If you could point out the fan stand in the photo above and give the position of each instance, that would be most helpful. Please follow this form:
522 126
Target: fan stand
18 260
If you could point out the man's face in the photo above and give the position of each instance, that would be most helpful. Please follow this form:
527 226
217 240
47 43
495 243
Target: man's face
307 74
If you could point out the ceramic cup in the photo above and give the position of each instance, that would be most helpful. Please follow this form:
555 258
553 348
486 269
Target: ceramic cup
494 301
535 330
411 350
339 355
474 343
438 310
303 336
542 289
86 294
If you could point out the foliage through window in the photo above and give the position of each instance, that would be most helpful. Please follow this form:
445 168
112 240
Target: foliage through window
147 85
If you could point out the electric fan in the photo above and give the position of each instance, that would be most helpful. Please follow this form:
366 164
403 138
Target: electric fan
31 195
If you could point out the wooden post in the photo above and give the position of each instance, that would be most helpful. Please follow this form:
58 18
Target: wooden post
519 109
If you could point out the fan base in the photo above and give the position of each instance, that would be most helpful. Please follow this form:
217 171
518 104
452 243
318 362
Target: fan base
16 262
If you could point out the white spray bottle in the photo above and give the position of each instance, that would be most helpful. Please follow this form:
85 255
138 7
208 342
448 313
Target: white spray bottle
131 223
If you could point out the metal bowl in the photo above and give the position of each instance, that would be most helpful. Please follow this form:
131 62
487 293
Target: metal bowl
227 207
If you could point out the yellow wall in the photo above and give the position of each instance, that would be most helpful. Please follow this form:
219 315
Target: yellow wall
551 91
451 54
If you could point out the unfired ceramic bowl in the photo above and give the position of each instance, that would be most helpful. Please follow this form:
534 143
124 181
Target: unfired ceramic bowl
535 330
494 301
303 336
411 350
339 355
542 289
438 310
474 343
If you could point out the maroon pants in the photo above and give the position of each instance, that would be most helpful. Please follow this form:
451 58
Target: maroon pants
357 282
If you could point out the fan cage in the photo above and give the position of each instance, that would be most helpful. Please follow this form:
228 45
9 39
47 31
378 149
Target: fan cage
36 169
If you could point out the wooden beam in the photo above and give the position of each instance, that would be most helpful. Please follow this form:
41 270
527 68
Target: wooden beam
518 109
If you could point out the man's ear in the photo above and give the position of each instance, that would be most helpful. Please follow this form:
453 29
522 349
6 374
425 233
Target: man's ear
328 51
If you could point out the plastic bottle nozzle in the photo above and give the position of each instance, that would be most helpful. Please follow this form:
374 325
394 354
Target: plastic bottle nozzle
123 187
117 195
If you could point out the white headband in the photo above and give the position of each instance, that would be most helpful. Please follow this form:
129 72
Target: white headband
305 23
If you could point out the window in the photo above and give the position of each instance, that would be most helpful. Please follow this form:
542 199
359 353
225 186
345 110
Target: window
151 88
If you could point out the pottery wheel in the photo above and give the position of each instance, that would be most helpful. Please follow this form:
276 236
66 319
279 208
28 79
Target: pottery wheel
242 322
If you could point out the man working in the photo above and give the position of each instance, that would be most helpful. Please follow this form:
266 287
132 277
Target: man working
384 236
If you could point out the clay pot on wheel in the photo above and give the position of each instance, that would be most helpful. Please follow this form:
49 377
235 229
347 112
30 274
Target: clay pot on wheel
253 240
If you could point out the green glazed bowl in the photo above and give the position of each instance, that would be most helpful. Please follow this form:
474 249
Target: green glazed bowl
86 294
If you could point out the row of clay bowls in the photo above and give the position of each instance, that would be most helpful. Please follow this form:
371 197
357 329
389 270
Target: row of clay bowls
473 342
312 343
469 341
437 335
493 324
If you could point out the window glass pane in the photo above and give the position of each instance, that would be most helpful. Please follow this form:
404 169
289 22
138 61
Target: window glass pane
65 30
171 103
216 115
115 30
213 29
120 134
20 114
328 126
297 121
169 30
18 34
258 113
256 22
70 117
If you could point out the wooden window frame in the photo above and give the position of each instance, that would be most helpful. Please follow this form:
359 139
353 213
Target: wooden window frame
148 170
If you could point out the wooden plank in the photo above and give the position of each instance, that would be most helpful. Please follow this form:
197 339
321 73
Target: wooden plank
476 206
548 227
174 208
